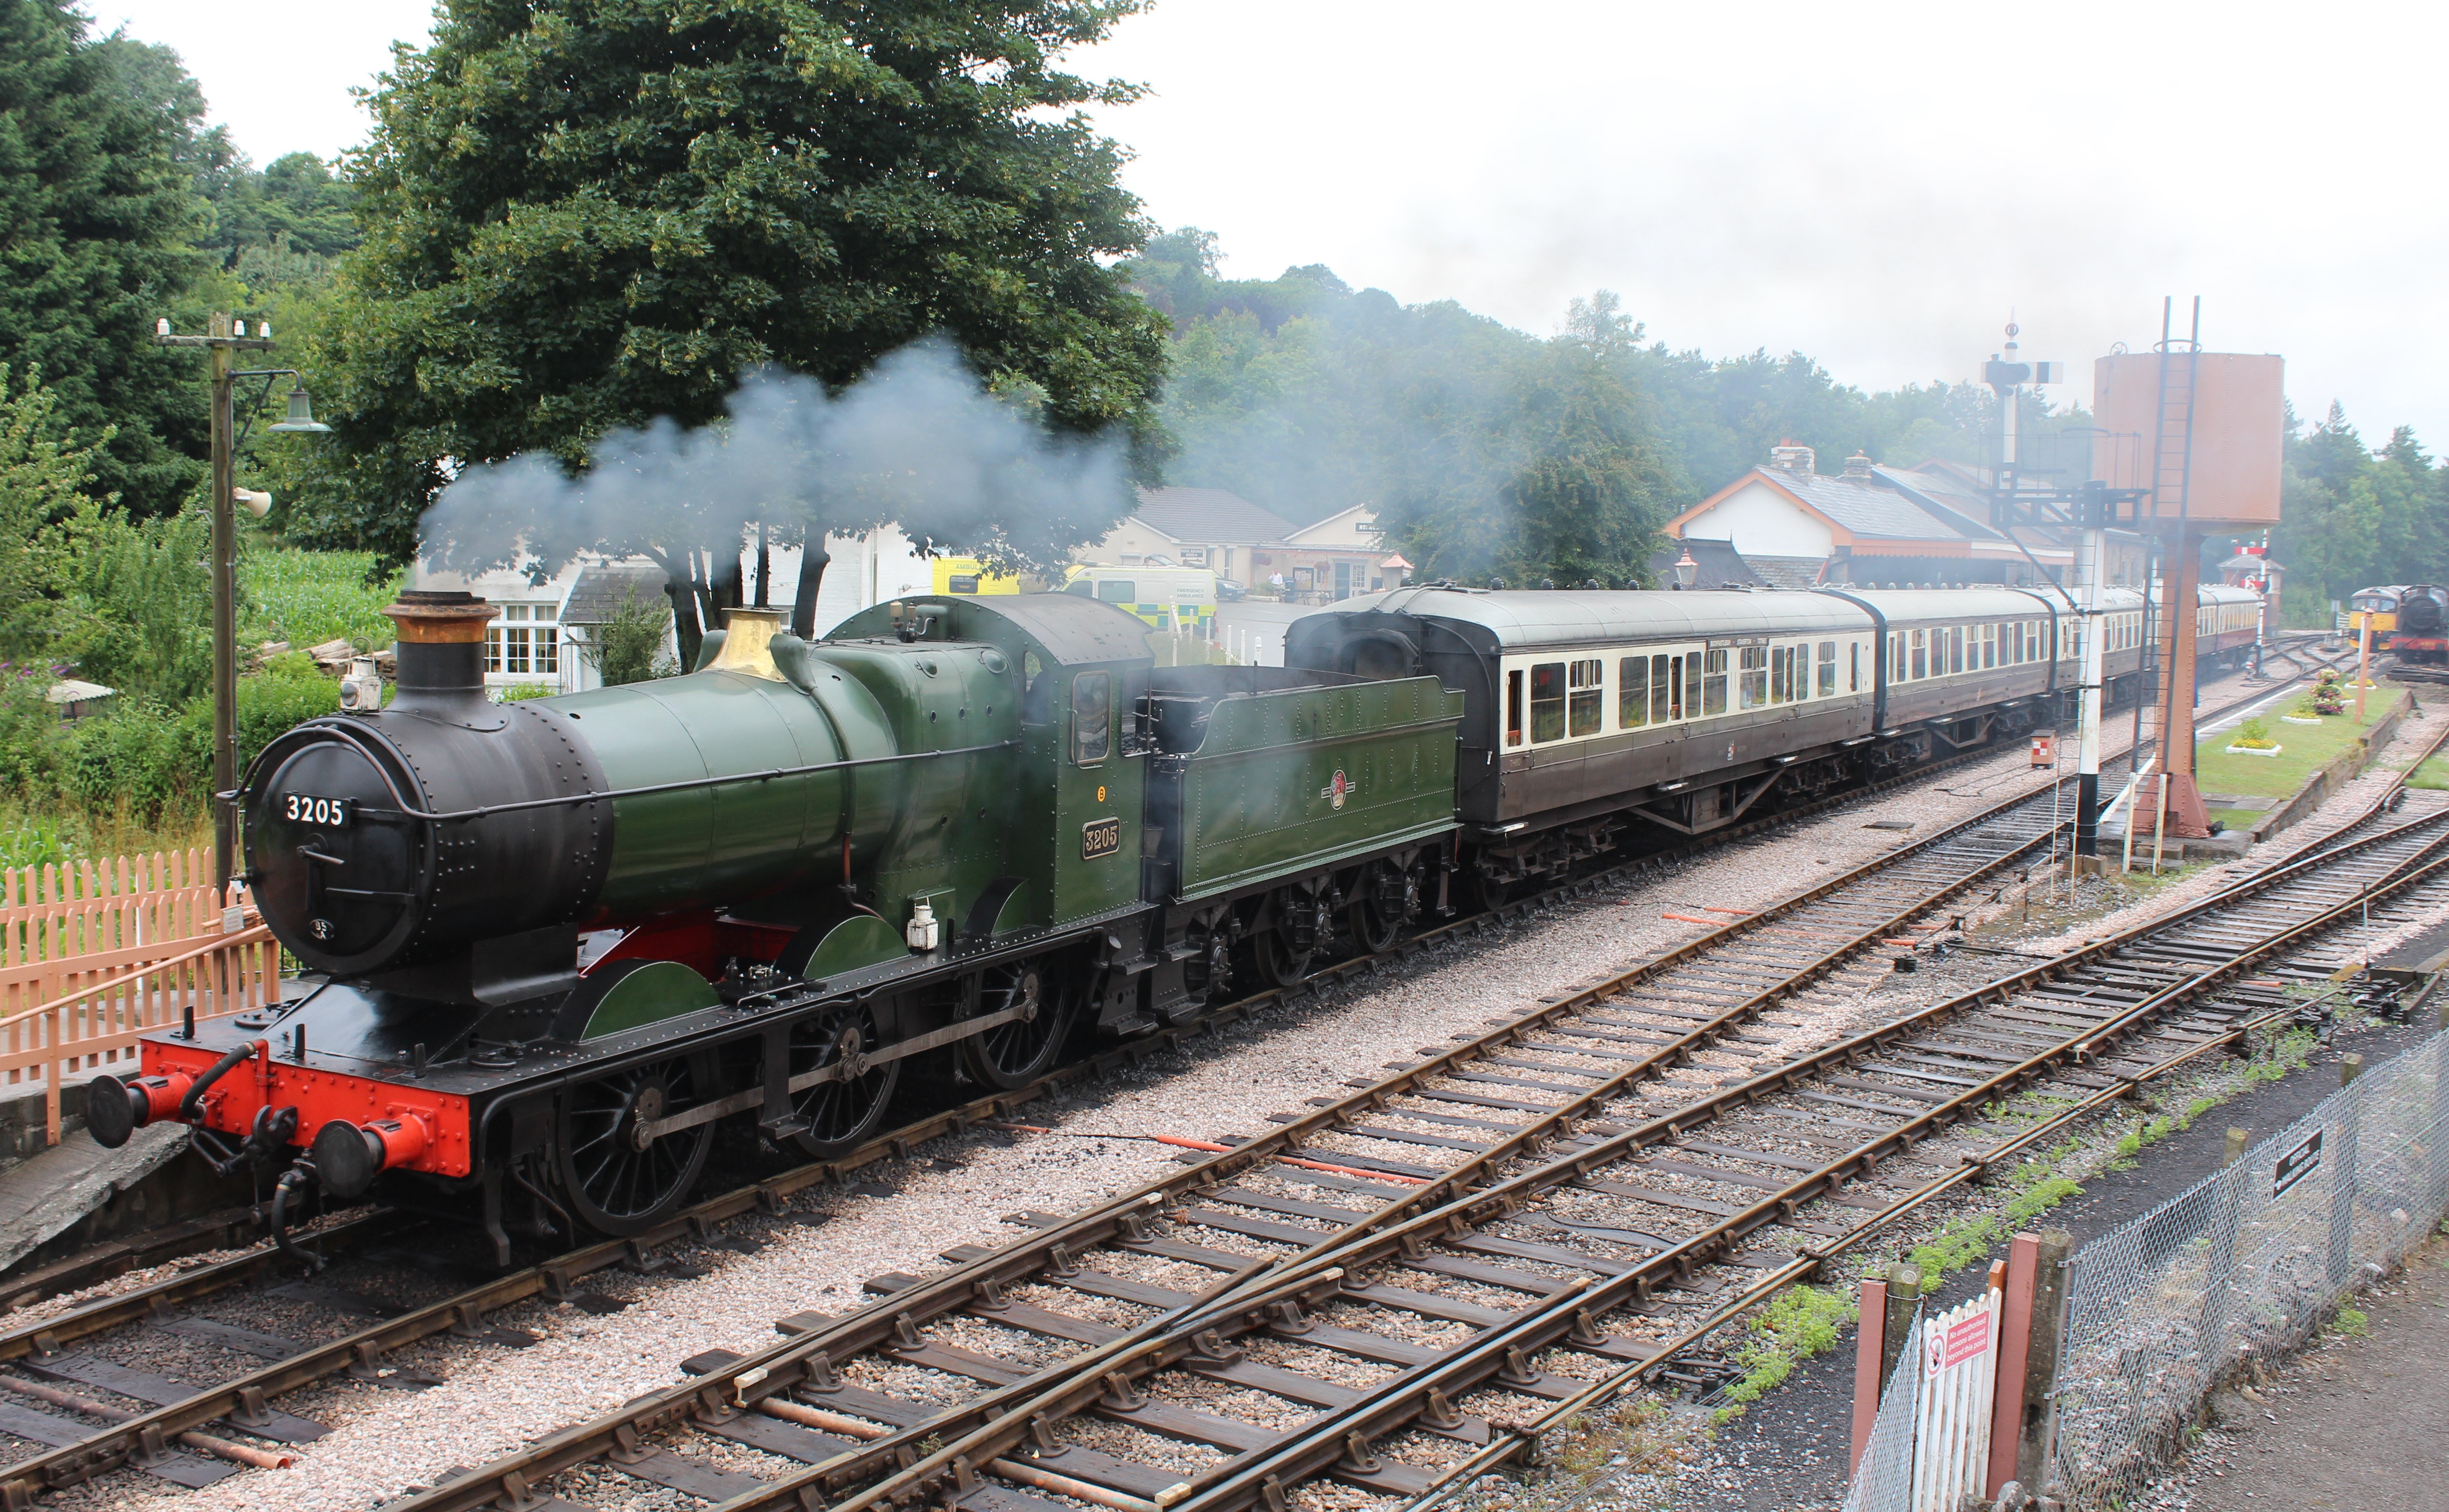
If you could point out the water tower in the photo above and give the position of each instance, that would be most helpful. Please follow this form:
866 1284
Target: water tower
2188 445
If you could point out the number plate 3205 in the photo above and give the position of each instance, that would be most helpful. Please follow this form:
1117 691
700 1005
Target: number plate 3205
1100 837
298 808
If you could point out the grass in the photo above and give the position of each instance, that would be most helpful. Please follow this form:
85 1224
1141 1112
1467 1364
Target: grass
1798 1322
307 597
2304 751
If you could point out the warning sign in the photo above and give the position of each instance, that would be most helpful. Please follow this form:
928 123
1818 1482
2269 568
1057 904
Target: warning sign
2297 1164
1954 1343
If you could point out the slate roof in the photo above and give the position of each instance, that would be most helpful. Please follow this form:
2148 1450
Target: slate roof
1873 511
1721 565
1787 572
1211 514
603 586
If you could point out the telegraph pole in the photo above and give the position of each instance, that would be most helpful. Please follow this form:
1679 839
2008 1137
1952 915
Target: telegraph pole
222 340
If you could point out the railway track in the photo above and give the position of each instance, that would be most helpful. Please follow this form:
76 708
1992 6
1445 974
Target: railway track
1325 1303
1676 1024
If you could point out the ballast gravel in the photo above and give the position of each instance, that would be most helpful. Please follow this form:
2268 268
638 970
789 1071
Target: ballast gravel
492 1399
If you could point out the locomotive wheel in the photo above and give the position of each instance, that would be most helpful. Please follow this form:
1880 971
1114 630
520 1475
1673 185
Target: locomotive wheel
841 1114
1388 898
1274 960
1020 1051
1208 974
619 1182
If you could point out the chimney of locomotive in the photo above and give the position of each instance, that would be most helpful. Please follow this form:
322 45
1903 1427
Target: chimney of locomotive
441 650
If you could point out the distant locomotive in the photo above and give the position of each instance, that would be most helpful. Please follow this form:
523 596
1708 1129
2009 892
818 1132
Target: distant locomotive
2421 631
552 944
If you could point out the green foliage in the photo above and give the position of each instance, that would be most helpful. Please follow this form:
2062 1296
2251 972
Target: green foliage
2253 733
2352 1323
519 692
99 218
146 590
585 217
2351 517
628 646
31 845
1488 451
1798 1322
307 597
154 760
43 476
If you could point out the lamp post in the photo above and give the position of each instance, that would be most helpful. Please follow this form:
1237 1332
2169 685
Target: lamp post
1685 570
223 339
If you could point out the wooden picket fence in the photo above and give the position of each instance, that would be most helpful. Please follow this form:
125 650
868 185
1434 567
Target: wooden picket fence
95 957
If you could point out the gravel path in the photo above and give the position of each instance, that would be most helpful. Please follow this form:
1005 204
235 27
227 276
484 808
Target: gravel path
495 1399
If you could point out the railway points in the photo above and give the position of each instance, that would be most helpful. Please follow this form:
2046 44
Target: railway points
1980 847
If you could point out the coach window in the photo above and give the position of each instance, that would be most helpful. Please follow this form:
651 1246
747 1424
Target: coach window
1956 649
1921 654
1751 684
1547 701
1713 683
1631 692
1781 674
1666 688
1827 668
1513 708
1896 657
1691 708
1988 646
1093 716
1586 702
1854 667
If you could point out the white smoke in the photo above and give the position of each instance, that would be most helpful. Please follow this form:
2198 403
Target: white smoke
916 442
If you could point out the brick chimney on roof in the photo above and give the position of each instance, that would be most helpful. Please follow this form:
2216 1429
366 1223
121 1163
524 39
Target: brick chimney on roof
1787 458
1858 468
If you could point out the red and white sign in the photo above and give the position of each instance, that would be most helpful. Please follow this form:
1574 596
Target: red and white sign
1951 1346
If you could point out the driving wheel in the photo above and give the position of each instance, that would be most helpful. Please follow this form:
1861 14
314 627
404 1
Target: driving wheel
623 1175
1018 1050
849 1107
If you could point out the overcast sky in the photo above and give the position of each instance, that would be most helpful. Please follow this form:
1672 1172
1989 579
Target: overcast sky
1876 185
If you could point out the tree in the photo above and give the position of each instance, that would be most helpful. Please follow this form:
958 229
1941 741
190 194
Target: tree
1559 480
584 216
95 213
44 475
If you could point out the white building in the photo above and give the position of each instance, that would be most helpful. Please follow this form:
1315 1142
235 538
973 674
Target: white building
537 637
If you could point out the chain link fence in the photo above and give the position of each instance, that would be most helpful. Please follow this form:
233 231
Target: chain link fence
1883 1481
2166 1310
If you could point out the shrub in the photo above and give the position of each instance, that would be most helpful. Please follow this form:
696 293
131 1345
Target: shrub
153 760
518 691
2254 734
147 594
30 730
629 647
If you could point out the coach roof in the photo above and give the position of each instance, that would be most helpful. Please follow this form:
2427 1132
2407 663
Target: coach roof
1524 621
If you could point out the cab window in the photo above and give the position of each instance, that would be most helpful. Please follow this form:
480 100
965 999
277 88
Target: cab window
1118 590
1093 716
1547 701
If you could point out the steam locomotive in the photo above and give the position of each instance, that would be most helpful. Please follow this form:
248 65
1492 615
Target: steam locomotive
550 944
